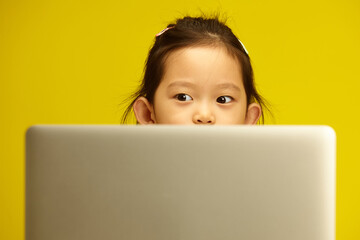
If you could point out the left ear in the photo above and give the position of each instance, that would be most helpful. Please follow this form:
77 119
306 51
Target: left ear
253 114
144 111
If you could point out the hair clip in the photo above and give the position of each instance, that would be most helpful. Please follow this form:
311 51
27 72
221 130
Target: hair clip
243 47
164 31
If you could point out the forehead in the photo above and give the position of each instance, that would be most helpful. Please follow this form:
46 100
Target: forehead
203 63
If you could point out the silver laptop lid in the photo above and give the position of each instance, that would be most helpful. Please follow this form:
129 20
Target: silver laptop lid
167 182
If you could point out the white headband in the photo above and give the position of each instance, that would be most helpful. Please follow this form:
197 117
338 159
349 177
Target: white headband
164 30
243 47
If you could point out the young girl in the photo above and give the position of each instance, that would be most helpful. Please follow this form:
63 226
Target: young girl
197 72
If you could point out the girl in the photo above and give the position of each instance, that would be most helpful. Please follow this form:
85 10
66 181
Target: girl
197 72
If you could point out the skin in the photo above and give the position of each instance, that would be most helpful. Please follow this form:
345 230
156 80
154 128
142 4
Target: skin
201 85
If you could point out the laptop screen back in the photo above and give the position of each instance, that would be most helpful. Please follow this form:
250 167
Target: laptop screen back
167 182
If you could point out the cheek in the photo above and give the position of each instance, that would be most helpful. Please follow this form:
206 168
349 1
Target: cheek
171 114
241 113
166 111
234 115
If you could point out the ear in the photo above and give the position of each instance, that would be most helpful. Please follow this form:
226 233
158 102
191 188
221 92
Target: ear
253 114
144 111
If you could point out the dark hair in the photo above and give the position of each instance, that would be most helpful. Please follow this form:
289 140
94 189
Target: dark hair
189 32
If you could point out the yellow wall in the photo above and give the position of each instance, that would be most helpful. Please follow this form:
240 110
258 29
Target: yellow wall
65 61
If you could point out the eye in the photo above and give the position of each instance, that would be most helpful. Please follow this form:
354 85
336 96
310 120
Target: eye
224 99
183 97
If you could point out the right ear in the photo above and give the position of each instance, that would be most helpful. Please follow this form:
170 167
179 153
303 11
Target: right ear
144 111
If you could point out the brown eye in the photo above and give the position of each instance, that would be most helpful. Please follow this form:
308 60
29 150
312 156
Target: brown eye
224 99
183 97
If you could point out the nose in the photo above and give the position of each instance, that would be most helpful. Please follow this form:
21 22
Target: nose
204 116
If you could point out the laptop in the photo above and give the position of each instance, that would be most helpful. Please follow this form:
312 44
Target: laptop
180 182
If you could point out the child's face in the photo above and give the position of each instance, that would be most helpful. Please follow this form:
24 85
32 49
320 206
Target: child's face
201 85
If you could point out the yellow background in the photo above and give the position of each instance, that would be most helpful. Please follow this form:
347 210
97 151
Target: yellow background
68 61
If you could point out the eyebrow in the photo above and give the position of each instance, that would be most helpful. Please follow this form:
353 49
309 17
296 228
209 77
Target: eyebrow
190 84
229 86
181 84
